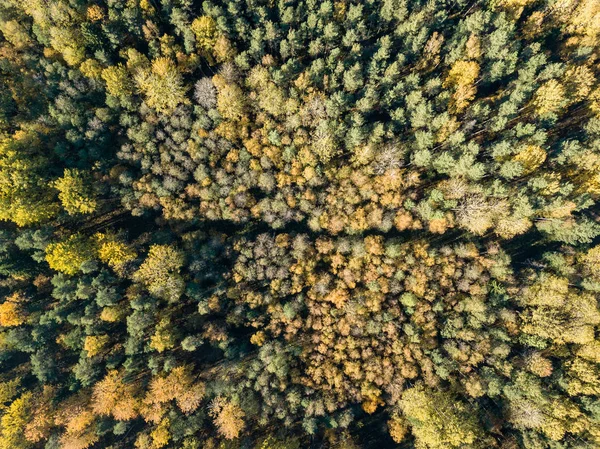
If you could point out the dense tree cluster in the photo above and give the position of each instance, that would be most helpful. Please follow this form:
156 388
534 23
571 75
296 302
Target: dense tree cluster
282 224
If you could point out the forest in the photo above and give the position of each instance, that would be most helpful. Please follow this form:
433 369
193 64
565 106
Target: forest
299 224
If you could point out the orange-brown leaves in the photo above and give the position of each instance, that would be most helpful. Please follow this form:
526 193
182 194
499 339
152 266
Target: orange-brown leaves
114 396
179 385
228 417
12 310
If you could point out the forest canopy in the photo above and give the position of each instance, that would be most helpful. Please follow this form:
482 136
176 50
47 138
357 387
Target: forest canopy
286 224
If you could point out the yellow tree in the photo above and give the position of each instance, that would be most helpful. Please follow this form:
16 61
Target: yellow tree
94 344
161 435
68 255
163 337
228 417
76 192
118 82
531 157
550 98
78 420
230 99
591 262
582 19
112 251
438 420
178 385
13 423
397 428
11 311
8 390
160 272
40 425
25 196
162 85
205 29
113 396
557 313
462 77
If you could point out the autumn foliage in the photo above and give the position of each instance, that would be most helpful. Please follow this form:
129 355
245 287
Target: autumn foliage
299 224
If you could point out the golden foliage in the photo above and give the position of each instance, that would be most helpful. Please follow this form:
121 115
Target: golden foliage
583 377
25 197
112 251
8 390
549 98
39 427
559 314
595 101
580 80
591 261
14 421
79 440
118 81
112 314
95 13
462 77
223 49
438 421
161 435
590 351
205 29
398 428
582 18
516 3
113 396
163 338
539 365
227 416
162 85
531 157
178 385
258 338
11 311
160 272
94 344
231 101
91 68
